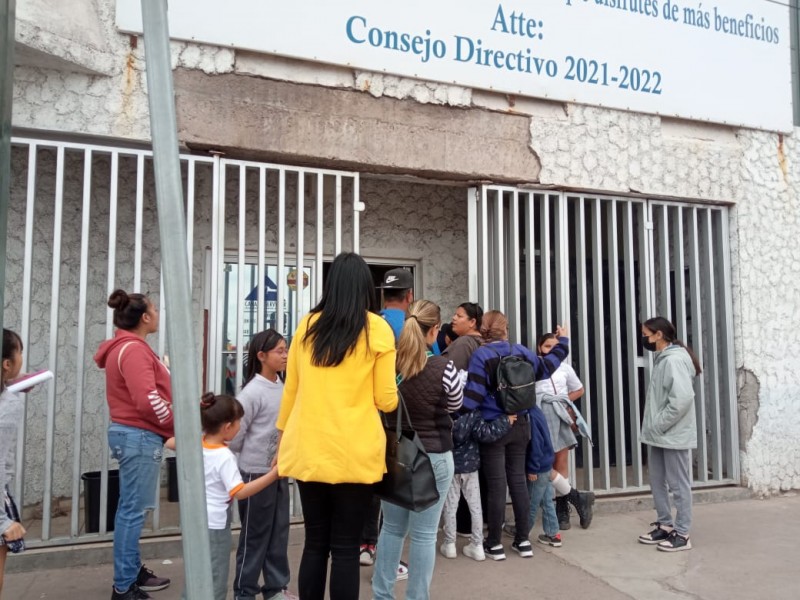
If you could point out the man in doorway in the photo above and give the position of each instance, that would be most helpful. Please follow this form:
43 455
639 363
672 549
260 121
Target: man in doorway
398 293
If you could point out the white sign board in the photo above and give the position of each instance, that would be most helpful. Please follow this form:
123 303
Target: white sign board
726 61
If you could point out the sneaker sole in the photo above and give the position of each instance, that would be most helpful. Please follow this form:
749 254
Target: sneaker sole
154 588
496 556
688 546
549 543
528 553
650 542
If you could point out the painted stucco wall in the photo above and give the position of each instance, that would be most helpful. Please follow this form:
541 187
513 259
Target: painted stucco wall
575 146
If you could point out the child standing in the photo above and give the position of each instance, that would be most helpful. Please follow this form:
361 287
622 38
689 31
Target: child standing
264 537
469 429
11 530
220 417
539 464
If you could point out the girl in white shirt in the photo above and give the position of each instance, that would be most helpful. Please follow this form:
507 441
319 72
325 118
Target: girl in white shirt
562 384
220 417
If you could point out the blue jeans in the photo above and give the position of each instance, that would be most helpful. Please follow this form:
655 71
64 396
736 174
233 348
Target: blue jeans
139 454
541 492
422 527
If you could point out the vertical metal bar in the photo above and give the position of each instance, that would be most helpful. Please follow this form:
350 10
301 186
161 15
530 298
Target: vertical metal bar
545 256
696 303
262 243
581 333
81 341
483 288
7 27
337 214
600 341
472 243
320 232
514 310
562 259
679 318
612 241
665 293
216 291
190 184
240 282
301 230
499 262
279 308
357 208
27 275
137 244
55 304
530 246
631 341
110 286
727 369
178 293
711 367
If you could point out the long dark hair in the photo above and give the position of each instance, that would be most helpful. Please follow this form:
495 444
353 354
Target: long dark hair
348 295
670 334
11 343
128 308
263 341
215 411
474 311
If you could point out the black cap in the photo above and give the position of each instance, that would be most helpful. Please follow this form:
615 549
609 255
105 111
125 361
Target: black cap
397 279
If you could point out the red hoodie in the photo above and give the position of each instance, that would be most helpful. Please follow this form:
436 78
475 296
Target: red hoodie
138 386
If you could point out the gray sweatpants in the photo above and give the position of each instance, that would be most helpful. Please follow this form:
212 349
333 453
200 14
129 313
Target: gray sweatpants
671 471
220 542
469 485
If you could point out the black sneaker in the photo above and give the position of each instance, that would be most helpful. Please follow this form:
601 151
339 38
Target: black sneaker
494 552
675 542
562 511
149 581
523 548
655 536
550 540
134 593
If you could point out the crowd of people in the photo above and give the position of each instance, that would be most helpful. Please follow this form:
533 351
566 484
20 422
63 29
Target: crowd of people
312 412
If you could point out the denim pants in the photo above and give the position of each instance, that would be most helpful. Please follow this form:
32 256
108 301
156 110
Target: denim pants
422 528
671 471
334 516
541 492
139 454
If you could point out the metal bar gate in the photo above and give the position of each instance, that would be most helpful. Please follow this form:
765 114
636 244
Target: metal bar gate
603 265
81 223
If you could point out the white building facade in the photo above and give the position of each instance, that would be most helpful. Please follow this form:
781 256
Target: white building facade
510 198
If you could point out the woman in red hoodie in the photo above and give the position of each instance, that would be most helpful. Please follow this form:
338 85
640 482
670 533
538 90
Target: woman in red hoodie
140 403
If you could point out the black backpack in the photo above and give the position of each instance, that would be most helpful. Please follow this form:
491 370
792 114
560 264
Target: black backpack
516 384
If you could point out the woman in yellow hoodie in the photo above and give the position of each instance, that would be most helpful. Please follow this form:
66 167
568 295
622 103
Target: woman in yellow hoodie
340 373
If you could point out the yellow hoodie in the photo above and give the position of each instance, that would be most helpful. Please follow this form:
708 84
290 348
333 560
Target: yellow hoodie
332 432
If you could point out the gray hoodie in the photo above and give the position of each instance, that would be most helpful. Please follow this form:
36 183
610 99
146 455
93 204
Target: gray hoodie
669 415
10 421
257 440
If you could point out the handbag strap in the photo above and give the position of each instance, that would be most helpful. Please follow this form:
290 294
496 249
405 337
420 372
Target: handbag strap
401 408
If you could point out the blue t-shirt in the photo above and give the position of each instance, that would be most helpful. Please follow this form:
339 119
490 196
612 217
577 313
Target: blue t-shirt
395 317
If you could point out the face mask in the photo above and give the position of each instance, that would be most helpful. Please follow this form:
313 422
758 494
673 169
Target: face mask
648 345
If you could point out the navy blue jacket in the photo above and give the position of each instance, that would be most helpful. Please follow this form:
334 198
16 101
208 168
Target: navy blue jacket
470 430
482 382
540 449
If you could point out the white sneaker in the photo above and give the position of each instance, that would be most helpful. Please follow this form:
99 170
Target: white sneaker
448 550
475 552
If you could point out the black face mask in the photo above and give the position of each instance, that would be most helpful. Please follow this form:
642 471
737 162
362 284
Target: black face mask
647 344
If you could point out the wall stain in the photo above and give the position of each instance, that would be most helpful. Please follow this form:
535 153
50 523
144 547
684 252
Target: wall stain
782 161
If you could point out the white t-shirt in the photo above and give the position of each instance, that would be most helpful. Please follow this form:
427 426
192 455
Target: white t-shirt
564 379
223 480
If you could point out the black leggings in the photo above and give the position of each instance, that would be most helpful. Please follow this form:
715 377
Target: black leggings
503 462
334 515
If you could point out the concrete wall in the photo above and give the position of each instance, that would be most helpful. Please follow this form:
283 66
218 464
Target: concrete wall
260 106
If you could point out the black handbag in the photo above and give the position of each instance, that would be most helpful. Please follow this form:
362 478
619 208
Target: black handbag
409 481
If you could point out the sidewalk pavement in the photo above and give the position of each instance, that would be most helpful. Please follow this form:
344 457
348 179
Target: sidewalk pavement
741 550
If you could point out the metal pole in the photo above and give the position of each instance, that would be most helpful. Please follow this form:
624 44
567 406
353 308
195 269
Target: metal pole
177 291
7 18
